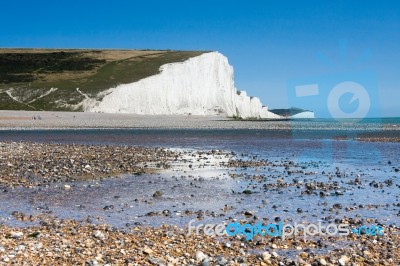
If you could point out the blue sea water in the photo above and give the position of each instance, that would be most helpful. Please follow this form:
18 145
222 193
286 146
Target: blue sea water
317 139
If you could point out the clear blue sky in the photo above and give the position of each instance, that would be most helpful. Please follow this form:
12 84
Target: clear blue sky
269 43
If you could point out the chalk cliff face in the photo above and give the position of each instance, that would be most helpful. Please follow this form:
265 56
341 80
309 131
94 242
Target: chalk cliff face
202 85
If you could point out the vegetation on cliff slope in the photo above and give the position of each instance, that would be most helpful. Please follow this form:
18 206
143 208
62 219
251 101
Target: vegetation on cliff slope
47 79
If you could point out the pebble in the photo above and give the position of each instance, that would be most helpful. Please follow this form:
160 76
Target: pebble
38 246
16 235
147 251
205 262
343 260
221 261
200 256
303 255
99 235
266 256
47 162
155 261
169 245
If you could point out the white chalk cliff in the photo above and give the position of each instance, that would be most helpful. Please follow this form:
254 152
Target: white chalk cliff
201 85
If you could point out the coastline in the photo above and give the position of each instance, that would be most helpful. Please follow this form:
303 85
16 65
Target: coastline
351 130
92 120
122 198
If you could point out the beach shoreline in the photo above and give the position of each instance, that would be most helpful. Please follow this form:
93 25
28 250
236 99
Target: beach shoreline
347 130
126 204
90 120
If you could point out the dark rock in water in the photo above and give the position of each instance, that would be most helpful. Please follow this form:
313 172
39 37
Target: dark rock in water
337 206
108 207
389 162
247 192
264 201
337 220
388 182
44 223
157 194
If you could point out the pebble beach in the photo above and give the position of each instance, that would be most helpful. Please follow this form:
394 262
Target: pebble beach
127 200
63 242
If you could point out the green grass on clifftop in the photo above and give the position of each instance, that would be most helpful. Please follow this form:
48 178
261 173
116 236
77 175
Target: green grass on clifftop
27 75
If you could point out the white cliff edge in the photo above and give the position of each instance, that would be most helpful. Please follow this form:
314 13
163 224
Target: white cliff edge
202 85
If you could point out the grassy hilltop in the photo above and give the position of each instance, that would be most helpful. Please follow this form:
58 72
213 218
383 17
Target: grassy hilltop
27 76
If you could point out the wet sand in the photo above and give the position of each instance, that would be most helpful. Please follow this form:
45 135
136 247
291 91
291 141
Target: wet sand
57 120
79 120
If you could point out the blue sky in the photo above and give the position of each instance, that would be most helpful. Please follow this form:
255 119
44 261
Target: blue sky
271 44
